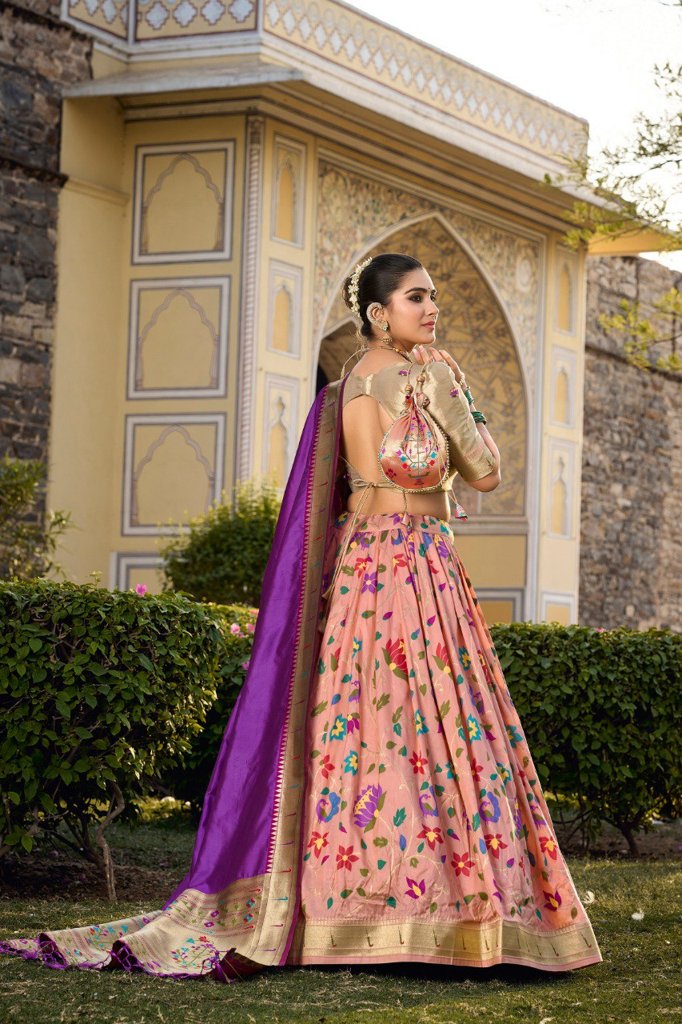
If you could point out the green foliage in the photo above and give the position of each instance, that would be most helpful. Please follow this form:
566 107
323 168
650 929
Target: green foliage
222 557
100 694
188 781
628 176
26 545
641 334
105 691
633 196
602 715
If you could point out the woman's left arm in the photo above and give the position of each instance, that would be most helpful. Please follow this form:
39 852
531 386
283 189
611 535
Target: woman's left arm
474 453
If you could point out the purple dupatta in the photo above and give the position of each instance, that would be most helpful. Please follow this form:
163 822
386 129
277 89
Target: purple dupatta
259 762
236 909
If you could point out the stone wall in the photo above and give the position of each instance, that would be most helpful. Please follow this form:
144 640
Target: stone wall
631 506
38 56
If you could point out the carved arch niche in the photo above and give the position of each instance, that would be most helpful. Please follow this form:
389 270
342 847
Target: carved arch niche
474 329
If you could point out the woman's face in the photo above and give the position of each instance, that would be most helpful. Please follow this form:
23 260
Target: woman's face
411 311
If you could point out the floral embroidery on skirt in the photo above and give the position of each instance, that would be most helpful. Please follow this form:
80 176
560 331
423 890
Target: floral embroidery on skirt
423 807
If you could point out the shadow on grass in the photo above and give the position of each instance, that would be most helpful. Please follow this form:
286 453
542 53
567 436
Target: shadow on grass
445 973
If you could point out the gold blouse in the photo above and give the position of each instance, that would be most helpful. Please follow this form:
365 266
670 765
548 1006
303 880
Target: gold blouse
449 406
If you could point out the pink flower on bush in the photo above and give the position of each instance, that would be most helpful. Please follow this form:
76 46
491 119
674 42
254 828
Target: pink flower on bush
245 664
235 628
600 629
141 588
250 627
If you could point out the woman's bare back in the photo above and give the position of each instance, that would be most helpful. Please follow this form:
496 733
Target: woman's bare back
364 423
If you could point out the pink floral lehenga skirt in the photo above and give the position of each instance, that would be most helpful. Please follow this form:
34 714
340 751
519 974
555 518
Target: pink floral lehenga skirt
427 836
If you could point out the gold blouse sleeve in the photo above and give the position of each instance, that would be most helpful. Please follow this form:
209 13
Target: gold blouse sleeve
469 454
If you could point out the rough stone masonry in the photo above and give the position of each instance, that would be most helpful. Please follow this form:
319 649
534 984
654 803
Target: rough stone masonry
631 499
39 54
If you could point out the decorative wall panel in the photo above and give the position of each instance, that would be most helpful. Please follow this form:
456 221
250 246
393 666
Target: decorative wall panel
173 470
288 191
500 605
561 477
165 19
556 607
280 427
143 568
108 16
566 291
171 179
285 285
178 338
382 54
355 210
562 406
472 325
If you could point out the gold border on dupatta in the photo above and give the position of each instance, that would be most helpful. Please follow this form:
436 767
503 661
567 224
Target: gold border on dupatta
270 936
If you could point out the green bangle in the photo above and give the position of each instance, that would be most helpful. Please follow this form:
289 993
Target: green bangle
469 396
478 416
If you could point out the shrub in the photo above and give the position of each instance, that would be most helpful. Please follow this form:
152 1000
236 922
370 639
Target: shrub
106 695
602 712
100 695
223 556
189 780
27 543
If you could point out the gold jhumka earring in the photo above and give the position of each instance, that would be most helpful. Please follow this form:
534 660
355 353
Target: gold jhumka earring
381 324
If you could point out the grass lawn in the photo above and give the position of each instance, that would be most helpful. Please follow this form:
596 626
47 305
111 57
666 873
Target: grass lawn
637 982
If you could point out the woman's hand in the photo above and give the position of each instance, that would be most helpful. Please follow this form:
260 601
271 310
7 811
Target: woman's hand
426 353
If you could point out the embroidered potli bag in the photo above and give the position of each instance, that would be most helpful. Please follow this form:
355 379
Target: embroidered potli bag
414 454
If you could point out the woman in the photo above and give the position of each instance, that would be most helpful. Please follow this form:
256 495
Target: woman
374 798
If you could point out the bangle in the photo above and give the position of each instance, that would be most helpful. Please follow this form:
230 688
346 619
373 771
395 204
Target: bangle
465 388
478 416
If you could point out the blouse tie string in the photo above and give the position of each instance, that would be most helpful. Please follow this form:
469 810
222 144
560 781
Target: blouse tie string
349 534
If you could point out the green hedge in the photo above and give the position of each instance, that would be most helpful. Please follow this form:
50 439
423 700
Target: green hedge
103 691
188 780
602 712
101 694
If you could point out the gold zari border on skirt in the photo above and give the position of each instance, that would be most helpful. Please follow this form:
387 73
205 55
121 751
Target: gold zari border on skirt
450 942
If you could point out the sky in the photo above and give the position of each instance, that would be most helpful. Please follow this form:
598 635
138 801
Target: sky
593 58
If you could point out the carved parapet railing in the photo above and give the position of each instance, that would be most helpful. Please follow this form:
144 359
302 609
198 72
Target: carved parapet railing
140 21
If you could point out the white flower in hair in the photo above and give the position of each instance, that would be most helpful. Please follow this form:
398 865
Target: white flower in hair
353 286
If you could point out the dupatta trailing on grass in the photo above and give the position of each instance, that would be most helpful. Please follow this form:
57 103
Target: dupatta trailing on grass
235 910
